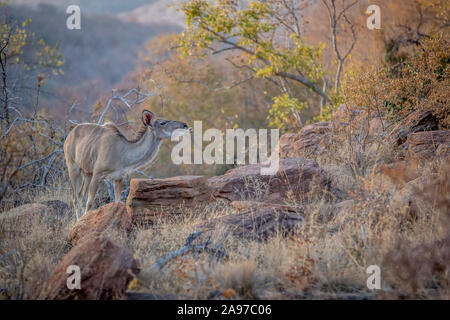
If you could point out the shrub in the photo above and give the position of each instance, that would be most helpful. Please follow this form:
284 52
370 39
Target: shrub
419 83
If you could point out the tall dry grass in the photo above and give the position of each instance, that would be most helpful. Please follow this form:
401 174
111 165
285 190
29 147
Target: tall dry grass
347 228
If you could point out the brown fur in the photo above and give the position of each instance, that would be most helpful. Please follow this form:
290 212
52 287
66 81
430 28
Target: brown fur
138 135
95 152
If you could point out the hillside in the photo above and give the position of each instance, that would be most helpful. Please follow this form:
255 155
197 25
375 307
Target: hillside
97 57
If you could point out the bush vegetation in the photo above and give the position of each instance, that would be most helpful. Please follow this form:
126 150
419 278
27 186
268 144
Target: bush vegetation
373 213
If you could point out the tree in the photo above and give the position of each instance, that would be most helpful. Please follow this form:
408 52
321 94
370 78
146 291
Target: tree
194 88
19 52
29 146
268 36
336 15
12 41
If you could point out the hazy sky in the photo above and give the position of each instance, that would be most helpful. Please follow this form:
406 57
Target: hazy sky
92 6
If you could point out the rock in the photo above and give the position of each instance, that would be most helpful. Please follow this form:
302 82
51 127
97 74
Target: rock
443 151
59 207
307 142
416 121
60 211
416 195
105 269
310 141
110 218
258 223
425 145
52 212
392 176
149 198
296 177
28 210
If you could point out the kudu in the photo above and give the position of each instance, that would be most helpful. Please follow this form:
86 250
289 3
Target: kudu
95 152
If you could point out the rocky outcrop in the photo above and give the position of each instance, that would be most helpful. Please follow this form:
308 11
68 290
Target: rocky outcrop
60 208
410 197
393 176
417 121
425 145
296 177
258 223
149 198
309 141
111 218
105 269
52 212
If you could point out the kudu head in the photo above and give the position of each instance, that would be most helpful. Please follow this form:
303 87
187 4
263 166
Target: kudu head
163 128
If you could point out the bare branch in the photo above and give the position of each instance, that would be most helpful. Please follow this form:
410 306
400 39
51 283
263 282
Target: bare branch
188 246
140 97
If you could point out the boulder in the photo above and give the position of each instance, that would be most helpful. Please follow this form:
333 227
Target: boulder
26 211
416 121
149 198
105 269
60 211
52 212
286 143
425 145
312 140
429 192
393 175
111 218
59 207
307 142
258 223
295 177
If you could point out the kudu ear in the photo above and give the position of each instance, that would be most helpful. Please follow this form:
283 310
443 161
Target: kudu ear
148 118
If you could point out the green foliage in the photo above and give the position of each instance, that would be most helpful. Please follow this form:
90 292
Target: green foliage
327 111
250 29
15 39
209 24
283 110
49 58
420 83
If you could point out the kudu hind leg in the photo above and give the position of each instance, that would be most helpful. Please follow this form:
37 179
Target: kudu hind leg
84 191
92 191
75 179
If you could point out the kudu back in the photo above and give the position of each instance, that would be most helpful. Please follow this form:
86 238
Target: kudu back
95 152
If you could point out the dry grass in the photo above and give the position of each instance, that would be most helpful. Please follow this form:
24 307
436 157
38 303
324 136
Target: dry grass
31 246
326 258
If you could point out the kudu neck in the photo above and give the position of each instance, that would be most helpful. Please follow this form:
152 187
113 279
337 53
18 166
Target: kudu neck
143 149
